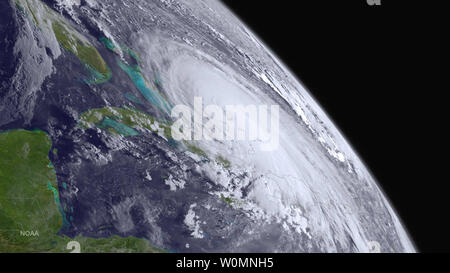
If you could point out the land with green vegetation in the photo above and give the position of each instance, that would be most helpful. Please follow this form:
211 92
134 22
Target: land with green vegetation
69 38
223 161
30 212
128 118
196 150
86 52
126 122
227 200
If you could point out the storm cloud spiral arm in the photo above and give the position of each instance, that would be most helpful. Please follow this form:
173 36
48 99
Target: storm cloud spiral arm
100 78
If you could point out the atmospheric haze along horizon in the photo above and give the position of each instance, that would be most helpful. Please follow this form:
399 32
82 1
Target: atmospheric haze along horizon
275 175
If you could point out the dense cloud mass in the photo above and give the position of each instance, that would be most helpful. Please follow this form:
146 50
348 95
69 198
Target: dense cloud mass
101 78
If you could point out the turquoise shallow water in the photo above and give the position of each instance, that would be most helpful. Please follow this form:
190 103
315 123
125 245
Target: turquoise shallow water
135 74
149 94
119 127
58 203
133 98
108 43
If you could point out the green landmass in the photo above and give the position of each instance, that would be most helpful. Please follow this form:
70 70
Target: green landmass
228 200
223 161
86 52
69 39
196 150
130 118
30 211
125 122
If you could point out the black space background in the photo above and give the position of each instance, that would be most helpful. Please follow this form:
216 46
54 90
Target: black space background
373 69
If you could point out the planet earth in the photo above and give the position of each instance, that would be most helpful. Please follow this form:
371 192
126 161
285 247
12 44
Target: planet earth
89 163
